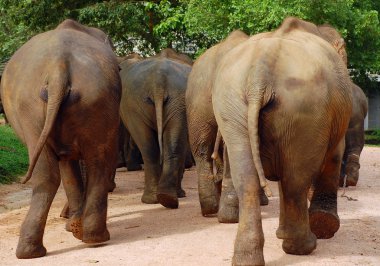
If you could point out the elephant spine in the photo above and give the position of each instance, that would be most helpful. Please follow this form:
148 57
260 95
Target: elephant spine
56 85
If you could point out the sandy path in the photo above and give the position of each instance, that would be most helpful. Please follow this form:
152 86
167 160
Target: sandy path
152 235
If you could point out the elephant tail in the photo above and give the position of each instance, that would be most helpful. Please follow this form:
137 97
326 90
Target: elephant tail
159 105
53 92
259 100
215 153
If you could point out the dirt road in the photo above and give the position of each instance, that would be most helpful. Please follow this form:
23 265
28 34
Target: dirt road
152 235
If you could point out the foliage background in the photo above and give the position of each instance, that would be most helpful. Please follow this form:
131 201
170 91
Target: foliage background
13 155
192 26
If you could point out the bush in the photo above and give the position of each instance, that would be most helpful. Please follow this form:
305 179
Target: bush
372 137
13 156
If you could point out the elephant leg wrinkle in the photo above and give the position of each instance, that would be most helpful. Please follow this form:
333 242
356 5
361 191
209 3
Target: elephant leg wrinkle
229 202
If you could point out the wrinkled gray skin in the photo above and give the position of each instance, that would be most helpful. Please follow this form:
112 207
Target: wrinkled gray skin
129 154
52 89
153 110
354 138
203 130
282 102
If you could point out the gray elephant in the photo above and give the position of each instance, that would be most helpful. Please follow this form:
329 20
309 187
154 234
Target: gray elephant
203 131
153 110
52 90
283 102
354 138
129 153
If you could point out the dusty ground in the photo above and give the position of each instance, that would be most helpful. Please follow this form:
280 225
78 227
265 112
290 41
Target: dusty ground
152 235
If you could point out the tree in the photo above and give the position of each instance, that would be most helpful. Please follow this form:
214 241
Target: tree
192 26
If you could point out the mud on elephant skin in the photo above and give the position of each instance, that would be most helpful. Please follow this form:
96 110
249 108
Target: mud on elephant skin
354 138
153 110
51 89
265 93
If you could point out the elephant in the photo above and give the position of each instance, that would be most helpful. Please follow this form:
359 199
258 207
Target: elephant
52 90
282 103
153 110
129 153
354 138
203 131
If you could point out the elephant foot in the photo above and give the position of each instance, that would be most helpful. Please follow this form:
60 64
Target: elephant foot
65 213
280 232
27 250
209 206
300 246
76 227
323 224
351 181
92 238
263 198
228 214
181 193
229 207
245 259
168 200
68 226
134 167
149 198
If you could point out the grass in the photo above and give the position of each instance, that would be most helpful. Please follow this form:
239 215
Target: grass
372 137
13 156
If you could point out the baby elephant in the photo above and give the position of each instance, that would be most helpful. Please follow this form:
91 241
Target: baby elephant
55 90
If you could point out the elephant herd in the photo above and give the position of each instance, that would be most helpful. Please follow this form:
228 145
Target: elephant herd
278 105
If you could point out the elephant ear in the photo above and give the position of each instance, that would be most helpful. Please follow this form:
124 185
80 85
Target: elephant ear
340 46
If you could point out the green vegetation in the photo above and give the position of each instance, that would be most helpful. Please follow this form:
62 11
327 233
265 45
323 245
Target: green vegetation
13 156
372 137
192 26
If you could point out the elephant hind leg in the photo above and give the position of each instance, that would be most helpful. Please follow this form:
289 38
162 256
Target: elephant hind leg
93 220
229 202
46 182
296 179
74 188
323 215
202 144
249 241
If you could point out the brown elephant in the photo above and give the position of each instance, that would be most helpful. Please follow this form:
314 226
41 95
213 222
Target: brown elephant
283 102
52 90
203 130
153 110
354 138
